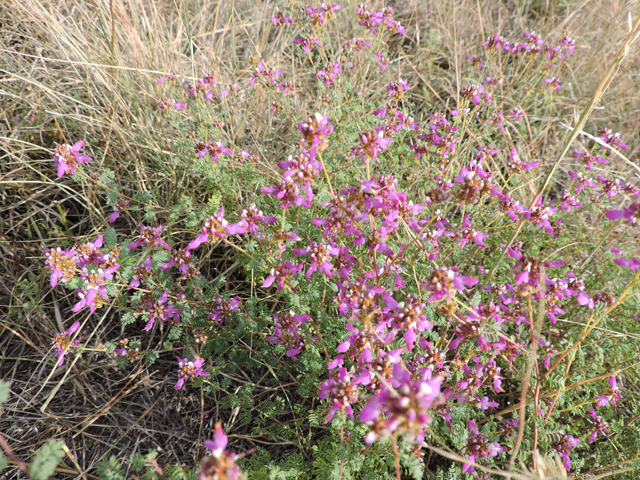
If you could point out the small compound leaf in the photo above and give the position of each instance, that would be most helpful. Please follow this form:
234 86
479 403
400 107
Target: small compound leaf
46 460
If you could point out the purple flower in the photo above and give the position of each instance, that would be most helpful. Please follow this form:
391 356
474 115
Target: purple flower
142 271
223 308
564 447
165 103
203 87
395 90
372 143
314 132
320 257
466 234
221 465
371 20
283 273
216 228
318 16
485 403
307 43
407 316
406 406
475 61
94 291
170 77
150 238
289 192
181 257
549 350
554 82
159 309
62 342
265 73
88 253
190 370
287 332
382 63
611 138
446 282
517 165
631 263
68 158
631 213
118 209
472 93
582 182
359 346
342 391
279 20
356 44
599 426
510 428
219 442
611 394
479 446
215 149
62 264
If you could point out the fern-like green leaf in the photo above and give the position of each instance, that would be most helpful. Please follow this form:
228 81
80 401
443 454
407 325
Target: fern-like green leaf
5 391
46 460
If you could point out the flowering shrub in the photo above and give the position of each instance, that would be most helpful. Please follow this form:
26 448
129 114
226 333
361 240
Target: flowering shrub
405 274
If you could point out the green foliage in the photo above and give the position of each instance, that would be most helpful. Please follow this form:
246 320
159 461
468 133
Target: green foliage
46 460
110 237
5 391
110 469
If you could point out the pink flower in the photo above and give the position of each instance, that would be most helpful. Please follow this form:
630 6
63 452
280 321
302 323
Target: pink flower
599 426
631 213
68 158
382 61
283 273
611 395
406 407
118 209
219 442
215 228
279 20
221 465
314 132
554 82
479 446
190 370
307 43
342 390
287 332
320 257
564 447
223 308
265 73
446 281
150 238
372 143
62 264
632 263
62 342
215 149
170 77
165 103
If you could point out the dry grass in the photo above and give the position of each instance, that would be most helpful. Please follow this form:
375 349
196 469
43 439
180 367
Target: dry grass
76 69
